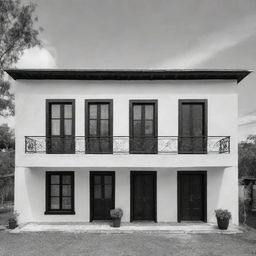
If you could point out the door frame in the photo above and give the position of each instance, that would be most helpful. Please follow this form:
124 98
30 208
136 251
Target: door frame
205 116
142 101
48 125
132 174
92 173
204 174
86 120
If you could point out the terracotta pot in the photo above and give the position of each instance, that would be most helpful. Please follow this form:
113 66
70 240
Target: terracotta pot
223 223
12 224
116 222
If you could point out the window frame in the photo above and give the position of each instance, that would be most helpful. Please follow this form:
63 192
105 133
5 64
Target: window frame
146 101
48 104
205 116
86 120
48 115
48 195
92 174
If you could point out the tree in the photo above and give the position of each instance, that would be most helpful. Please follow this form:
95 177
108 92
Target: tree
6 137
7 162
17 33
247 157
7 145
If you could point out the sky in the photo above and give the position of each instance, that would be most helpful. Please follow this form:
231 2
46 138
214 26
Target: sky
169 34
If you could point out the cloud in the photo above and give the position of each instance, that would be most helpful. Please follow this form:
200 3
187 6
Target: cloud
211 45
37 58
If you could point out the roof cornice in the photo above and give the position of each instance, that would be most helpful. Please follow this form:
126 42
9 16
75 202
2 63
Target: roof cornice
129 74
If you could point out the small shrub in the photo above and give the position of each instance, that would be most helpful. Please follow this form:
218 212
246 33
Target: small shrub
222 214
13 216
116 213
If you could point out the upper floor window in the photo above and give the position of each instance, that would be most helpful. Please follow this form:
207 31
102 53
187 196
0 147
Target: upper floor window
99 126
60 126
143 126
192 126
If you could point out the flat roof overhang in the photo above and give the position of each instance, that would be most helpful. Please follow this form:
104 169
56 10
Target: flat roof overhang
142 74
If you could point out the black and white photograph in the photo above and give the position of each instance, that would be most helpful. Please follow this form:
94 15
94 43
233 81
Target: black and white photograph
127 127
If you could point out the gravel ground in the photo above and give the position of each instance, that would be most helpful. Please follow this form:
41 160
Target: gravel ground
156 244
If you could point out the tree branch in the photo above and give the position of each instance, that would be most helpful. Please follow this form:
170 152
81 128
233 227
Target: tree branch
8 49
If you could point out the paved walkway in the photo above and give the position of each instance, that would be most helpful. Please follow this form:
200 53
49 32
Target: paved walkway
197 228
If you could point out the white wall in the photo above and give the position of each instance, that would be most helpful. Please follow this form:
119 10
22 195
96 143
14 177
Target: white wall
30 170
222 118
222 191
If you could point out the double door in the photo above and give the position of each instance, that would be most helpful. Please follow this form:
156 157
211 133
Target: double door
102 194
143 195
192 126
143 127
192 196
99 127
60 127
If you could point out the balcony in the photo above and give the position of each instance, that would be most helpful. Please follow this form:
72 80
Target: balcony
128 145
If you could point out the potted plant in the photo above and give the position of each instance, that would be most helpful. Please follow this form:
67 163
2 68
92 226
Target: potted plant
116 215
223 217
13 220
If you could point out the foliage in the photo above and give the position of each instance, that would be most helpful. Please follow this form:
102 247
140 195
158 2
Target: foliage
7 139
17 33
6 189
222 214
247 157
7 162
116 213
7 145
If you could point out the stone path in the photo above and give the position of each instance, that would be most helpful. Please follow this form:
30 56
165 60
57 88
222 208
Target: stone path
197 228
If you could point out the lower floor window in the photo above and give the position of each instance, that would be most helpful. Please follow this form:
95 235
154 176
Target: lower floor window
59 193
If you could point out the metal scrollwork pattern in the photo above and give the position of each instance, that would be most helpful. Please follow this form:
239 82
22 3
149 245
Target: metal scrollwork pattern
128 145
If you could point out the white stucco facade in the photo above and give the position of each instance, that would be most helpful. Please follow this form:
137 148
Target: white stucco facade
222 170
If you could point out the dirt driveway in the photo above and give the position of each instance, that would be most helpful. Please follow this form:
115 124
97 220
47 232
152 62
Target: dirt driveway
156 244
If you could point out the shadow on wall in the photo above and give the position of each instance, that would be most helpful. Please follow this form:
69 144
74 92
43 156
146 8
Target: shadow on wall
214 188
28 191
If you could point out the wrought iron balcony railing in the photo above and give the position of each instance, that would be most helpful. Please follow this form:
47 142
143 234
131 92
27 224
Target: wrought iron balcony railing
127 145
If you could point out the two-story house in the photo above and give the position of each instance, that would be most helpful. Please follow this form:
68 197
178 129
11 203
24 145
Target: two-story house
160 144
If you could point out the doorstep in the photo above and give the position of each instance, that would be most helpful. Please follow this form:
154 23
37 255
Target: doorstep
103 227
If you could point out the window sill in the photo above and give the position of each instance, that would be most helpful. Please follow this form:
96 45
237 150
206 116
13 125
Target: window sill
59 212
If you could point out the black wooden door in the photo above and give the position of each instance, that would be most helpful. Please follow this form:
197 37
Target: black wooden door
192 196
192 126
143 127
102 195
60 127
143 196
99 127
